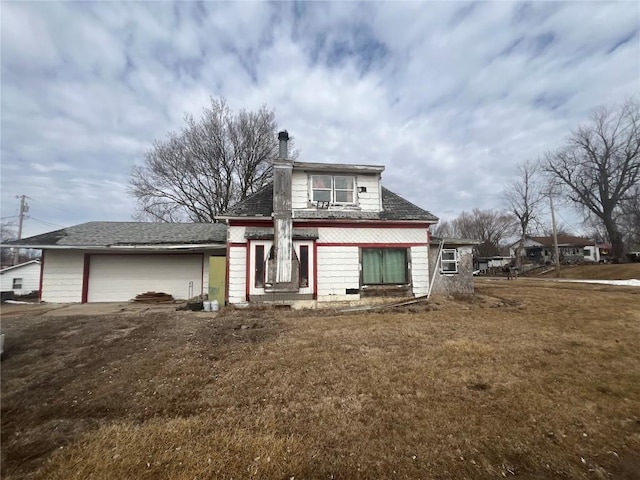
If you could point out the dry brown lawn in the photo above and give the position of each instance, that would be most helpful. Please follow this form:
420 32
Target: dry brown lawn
527 379
623 271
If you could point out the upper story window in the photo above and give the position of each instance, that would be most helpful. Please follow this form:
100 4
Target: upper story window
334 189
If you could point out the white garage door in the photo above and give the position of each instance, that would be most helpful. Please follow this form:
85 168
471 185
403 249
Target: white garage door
117 278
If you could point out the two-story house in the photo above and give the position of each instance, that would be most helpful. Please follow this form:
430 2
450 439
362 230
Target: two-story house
325 232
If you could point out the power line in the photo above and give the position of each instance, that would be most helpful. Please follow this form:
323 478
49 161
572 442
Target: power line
45 222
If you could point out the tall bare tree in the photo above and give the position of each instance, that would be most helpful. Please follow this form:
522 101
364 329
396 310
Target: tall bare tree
524 195
215 161
490 227
599 165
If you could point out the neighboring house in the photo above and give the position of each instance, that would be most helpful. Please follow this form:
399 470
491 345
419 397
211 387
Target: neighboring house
326 232
541 249
21 279
600 252
115 261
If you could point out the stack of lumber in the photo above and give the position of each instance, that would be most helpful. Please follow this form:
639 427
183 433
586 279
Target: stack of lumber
153 297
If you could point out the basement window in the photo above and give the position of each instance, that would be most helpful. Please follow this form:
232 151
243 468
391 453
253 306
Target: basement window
449 260
17 283
334 189
384 266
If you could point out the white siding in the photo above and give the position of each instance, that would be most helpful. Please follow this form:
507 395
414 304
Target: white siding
370 200
236 234
372 235
299 190
30 275
237 274
367 201
338 269
118 278
62 276
420 270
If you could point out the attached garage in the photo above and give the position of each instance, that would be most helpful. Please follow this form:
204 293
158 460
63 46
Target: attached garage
115 261
118 278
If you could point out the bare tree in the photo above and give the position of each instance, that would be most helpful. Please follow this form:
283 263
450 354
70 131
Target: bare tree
442 229
7 232
599 165
629 218
524 196
490 227
214 162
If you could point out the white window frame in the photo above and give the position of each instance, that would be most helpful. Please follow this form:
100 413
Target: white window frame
18 286
333 189
455 261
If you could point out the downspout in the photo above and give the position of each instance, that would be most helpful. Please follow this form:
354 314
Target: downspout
435 268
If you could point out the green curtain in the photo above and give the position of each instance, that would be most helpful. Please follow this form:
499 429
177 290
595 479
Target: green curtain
380 266
394 266
371 266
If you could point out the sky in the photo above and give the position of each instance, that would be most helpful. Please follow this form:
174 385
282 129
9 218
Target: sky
449 96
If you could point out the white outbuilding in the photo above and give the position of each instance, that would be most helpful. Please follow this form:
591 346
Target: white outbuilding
21 279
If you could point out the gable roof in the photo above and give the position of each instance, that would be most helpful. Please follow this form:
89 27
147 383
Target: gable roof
394 207
20 265
564 240
108 234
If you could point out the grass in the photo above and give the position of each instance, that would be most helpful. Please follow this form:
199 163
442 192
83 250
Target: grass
625 271
519 380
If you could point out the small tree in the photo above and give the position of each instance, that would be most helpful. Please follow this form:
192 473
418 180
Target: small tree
524 196
599 165
214 162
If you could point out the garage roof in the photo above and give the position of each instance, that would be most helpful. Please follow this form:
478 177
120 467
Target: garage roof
108 234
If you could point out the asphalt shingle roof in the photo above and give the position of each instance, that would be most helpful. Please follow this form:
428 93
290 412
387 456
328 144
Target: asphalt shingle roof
394 207
104 234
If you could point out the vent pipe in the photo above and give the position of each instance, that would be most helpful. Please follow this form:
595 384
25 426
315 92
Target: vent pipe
283 137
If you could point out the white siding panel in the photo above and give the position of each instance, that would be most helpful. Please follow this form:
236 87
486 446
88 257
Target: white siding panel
372 235
117 278
299 190
62 276
420 270
338 269
237 274
236 234
369 201
30 275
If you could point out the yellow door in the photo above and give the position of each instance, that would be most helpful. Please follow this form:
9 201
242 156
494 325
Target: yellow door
217 272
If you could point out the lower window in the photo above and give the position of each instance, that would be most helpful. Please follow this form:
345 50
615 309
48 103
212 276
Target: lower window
383 266
17 283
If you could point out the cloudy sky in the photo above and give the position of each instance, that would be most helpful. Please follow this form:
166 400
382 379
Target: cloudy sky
448 96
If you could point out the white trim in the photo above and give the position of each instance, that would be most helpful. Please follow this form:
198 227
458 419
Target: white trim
37 260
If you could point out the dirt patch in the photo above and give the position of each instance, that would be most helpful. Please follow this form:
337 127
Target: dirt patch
531 379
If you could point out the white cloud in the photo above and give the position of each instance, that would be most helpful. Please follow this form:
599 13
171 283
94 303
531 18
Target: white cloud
448 96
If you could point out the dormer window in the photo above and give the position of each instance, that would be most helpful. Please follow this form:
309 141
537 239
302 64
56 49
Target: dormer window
334 189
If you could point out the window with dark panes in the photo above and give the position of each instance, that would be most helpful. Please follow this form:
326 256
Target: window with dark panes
382 266
338 189
322 186
449 260
304 265
17 283
259 267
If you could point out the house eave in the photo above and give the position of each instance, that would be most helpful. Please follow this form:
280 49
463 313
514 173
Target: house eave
121 247
338 167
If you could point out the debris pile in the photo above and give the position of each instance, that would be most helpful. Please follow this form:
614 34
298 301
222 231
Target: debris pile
153 297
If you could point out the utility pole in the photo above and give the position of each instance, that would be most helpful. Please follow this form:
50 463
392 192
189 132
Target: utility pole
24 208
555 236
